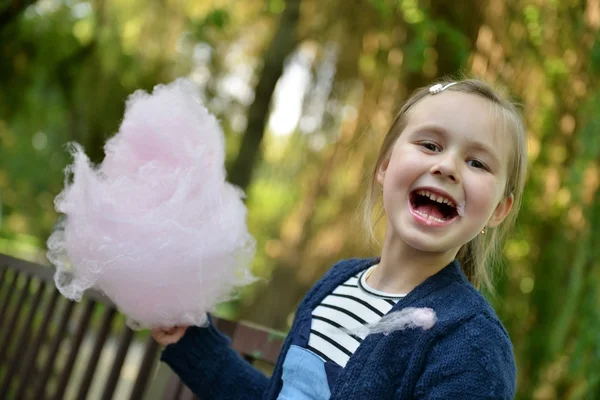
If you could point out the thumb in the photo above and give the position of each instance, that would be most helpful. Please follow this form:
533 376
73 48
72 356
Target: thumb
171 330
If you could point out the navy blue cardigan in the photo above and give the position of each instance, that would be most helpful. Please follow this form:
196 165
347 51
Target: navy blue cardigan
467 354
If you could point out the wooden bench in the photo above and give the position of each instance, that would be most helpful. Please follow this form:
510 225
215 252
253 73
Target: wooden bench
53 348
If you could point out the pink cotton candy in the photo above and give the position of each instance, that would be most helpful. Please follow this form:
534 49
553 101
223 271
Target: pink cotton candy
155 227
407 318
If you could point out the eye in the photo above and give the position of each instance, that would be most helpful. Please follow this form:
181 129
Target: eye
431 146
478 164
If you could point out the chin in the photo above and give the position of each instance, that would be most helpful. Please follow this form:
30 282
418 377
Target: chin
422 241
428 245
428 239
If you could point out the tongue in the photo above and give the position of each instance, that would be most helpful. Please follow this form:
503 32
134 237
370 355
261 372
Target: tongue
430 209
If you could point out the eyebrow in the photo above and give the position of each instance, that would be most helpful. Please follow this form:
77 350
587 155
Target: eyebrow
440 130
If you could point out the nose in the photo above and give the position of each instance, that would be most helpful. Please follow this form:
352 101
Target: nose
446 168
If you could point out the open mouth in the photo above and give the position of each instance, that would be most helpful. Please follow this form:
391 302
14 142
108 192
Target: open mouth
433 208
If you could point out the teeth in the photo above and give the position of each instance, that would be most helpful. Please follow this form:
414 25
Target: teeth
429 217
434 197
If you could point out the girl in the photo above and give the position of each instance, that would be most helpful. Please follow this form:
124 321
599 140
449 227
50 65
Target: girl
410 324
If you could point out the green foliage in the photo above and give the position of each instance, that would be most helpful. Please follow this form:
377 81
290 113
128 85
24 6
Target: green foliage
385 8
532 19
209 26
595 55
412 13
276 6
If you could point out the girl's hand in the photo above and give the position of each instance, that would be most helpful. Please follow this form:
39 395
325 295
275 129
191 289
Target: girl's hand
165 336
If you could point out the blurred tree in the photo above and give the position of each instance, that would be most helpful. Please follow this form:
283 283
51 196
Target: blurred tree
550 70
385 81
283 43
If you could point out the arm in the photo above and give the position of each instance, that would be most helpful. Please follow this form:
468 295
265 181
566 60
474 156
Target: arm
204 361
475 361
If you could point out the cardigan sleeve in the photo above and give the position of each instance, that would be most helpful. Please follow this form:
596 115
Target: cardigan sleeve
204 361
474 361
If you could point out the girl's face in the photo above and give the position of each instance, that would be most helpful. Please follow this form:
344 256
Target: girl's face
446 176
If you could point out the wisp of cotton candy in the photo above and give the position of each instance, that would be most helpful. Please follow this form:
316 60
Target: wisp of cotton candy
156 226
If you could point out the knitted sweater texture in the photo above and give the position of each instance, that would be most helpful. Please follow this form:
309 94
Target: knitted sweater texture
467 354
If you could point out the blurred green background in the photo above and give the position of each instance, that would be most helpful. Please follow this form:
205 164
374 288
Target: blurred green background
305 91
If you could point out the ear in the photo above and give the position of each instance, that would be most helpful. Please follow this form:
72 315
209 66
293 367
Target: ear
501 211
381 170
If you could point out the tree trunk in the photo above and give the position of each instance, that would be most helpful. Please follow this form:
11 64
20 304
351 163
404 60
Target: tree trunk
466 17
281 46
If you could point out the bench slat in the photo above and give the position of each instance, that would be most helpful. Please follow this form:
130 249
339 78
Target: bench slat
148 361
82 327
14 318
54 347
45 273
113 378
187 394
105 325
29 365
173 388
21 347
22 361
8 296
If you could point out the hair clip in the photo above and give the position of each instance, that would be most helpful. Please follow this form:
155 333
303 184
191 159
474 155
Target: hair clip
437 88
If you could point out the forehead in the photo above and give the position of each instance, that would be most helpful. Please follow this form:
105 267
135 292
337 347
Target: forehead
465 115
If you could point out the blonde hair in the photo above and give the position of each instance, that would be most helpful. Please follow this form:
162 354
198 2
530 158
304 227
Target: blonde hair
479 254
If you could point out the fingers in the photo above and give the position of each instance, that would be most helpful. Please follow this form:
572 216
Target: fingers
171 330
166 336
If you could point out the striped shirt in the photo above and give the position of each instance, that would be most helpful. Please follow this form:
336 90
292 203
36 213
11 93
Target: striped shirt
351 305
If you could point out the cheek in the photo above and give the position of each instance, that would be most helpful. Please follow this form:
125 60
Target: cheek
395 184
396 180
483 195
403 166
